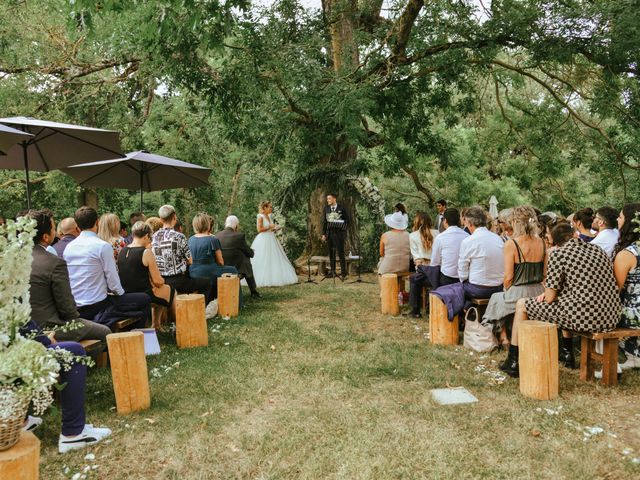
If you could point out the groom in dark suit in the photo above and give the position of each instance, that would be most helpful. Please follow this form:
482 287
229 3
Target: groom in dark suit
334 230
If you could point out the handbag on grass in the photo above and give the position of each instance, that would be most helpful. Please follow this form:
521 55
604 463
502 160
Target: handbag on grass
476 336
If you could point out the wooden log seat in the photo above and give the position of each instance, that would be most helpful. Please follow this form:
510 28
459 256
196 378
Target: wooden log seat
129 371
441 330
323 264
538 342
389 294
191 323
22 461
229 295
609 357
125 324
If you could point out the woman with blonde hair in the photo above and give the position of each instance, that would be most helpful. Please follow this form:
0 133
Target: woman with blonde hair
421 239
271 267
109 231
155 223
524 267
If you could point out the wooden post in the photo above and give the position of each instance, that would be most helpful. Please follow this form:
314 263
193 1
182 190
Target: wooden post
389 294
441 330
191 324
538 346
22 461
129 371
586 362
228 295
610 362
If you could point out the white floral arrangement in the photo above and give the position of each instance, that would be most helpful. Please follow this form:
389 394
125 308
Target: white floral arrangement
280 221
28 370
369 193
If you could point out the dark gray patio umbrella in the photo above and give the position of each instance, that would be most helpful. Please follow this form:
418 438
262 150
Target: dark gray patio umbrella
9 137
142 171
55 146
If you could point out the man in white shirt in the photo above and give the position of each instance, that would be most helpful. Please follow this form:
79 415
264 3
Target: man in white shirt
93 276
605 222
444 254
481 262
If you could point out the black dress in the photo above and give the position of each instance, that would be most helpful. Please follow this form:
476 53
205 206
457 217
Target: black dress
134 275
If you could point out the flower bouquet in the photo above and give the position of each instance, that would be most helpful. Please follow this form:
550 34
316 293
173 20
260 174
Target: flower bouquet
28 370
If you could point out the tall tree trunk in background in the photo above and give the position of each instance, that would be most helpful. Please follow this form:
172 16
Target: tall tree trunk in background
234 188
88 197
340 19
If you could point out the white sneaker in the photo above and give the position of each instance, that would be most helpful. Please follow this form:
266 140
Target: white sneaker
632 362
90 435
598 373
32 423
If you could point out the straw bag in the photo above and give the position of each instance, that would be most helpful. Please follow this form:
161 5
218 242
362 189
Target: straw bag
476 336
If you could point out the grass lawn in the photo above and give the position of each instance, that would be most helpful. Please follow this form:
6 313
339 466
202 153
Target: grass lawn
313 382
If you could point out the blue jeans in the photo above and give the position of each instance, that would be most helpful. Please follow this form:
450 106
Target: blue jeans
72 395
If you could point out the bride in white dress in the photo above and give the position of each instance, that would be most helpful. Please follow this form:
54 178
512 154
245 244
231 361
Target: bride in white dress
271 267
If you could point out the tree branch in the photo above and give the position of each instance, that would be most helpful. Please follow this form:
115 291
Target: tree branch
418 184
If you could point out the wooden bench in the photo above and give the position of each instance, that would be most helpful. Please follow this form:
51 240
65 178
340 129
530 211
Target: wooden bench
323 262
122 325
96 348
609 357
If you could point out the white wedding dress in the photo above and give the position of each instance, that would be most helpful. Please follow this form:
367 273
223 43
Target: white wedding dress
271 267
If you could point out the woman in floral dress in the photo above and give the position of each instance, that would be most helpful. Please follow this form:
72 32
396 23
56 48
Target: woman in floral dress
626 268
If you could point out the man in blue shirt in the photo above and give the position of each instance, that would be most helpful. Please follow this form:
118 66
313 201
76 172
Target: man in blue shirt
94 277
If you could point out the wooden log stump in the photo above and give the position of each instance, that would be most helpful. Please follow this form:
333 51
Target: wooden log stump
538 346
22 461
389 294
228 295
129 371
441 330
191 323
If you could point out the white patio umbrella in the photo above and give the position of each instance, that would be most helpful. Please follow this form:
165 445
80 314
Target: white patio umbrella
493 206
9 137
142 171
55 145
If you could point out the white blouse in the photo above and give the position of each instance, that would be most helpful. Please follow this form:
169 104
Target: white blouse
417 248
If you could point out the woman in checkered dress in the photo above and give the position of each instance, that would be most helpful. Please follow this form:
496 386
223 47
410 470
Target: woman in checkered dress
580 293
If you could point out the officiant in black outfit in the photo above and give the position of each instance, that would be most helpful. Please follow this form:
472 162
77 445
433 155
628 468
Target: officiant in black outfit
334 231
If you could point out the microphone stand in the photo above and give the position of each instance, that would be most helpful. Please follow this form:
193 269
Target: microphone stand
359 279
309 280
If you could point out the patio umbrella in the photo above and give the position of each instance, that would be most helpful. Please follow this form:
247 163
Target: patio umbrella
142 171
9 137
54 146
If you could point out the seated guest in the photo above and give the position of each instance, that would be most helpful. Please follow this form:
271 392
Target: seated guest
444 255
481 263
580 295
178 226
138 269
546 222
421 239
582 221
524 262
626 268
94 277
72 381
155 223
173 257
605 223
124 231
69 231
109 231
504 228
236 252
134 218
395 251
206 252
52 304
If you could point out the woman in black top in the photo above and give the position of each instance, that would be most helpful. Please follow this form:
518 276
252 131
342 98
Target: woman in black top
138 270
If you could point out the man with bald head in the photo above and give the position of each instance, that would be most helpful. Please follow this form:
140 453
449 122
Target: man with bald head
236 252
70 231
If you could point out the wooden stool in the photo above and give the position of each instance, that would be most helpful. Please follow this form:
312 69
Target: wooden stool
389 294
121 325
129 371
228 295
441 330
191 324
538 346
22 461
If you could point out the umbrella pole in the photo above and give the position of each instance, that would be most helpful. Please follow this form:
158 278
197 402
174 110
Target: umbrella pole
141 192
26 169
